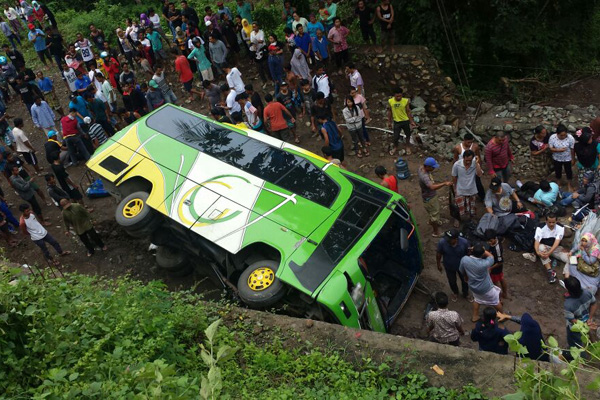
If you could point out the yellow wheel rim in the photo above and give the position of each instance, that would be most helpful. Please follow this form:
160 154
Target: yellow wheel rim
261 278
133 208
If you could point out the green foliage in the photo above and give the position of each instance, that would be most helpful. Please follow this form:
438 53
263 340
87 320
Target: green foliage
537 383
89 337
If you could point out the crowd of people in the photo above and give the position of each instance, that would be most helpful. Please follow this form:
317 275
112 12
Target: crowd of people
115 79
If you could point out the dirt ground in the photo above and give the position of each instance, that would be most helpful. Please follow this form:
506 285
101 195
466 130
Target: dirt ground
528 287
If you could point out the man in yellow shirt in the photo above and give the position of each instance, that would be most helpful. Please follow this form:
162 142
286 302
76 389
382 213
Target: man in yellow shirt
399 114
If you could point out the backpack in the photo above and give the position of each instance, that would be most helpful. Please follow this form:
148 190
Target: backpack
488 221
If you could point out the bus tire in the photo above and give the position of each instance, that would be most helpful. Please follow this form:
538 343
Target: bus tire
170 259
258 287
133 214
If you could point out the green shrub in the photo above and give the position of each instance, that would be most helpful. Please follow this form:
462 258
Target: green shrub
90 337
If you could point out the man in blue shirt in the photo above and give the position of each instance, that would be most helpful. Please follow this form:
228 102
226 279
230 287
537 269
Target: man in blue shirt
547 194
38 38
303 42
320 47
78 103
82 82
451 249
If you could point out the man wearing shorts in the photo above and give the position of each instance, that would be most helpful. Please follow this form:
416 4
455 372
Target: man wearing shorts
429 193
476 270
24 147
494 246
186 77
400 118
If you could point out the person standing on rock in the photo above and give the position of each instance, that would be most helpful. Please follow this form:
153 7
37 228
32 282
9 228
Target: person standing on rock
540 153
400 118
429 193
498 156
468 143
464 173
562 146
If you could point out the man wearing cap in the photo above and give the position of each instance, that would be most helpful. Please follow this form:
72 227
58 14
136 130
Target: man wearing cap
429 193
450 250
42 115
499 198
154 97
498 156
54 146
38 38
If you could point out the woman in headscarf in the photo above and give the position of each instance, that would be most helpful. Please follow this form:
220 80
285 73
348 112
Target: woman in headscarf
145 21
299 65
588 153
587 252
489 334
245 34
531 336
38 12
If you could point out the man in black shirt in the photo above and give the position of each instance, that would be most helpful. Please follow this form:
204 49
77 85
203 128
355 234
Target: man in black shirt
366 18
54 40
65 181
27 91
321 107
174 16
190 13
15 56
53 146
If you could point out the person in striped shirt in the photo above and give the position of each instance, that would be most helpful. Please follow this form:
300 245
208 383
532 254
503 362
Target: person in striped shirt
96 132
498 156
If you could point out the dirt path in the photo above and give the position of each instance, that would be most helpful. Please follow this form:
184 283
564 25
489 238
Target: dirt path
527 281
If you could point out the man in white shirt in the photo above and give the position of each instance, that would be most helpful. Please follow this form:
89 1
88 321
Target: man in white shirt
69 77
13 18
356 80
547 244
108 93
30 226
234 79
231 105
321 82
23 145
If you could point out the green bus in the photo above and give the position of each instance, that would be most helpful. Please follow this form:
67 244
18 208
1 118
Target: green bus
273 223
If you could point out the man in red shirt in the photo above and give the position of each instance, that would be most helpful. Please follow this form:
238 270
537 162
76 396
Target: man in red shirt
72 137
275 120
186 77
498 156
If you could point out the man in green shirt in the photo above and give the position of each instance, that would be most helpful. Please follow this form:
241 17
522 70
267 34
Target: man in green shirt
244 10
77 217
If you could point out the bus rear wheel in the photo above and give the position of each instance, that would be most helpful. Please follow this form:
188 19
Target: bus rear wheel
258 286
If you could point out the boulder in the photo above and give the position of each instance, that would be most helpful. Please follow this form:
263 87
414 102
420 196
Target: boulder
418 102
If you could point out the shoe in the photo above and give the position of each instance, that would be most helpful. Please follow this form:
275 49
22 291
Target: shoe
562 284
530 256
519 183
551 276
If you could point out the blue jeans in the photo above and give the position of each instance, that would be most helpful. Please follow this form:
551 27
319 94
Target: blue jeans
10 218
566 198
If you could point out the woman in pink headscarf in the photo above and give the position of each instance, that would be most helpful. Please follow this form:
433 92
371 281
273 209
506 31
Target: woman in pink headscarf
587 252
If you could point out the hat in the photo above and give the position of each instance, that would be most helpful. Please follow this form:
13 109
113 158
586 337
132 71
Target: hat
87 120
283 83
31 26
430 162
219 3
208 23
452 234
51 134
153 84
589 175
495 184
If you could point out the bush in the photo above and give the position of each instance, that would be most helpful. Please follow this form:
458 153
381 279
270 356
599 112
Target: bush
89 337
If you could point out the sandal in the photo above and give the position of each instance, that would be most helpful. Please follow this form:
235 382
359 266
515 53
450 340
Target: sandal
367 153
392 152
65 253
359 154
296 140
